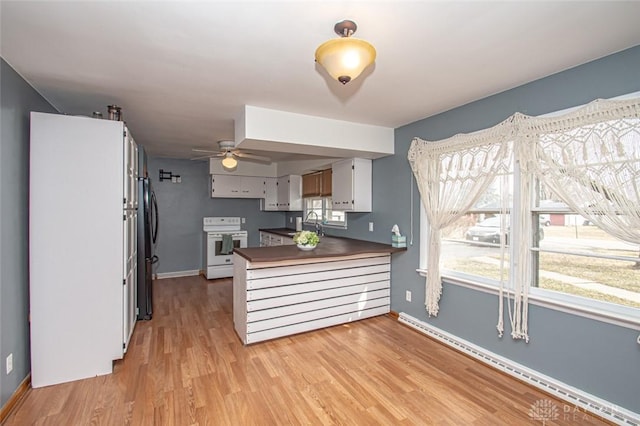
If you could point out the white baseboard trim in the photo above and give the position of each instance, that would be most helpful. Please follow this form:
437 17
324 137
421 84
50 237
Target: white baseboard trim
576 397
177 274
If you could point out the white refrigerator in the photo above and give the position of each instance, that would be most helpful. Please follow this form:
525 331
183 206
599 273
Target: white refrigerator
82 246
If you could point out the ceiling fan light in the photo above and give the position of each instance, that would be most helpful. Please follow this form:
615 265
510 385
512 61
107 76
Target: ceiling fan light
229 162
345 58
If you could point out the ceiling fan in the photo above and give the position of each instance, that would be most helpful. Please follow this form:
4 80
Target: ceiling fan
229 154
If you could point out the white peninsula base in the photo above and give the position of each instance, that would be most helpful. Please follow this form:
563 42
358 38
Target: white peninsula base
281 298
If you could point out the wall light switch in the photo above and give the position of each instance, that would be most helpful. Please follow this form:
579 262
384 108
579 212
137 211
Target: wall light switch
9 363
291 219
370 226
408 296
244 220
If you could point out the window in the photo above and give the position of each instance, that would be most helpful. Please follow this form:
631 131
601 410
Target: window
319 209
570 254
574 212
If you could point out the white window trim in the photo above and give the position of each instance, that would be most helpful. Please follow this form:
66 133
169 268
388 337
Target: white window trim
328 224
589 308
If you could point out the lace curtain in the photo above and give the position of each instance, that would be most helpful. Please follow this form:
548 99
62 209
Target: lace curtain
589 158
451 176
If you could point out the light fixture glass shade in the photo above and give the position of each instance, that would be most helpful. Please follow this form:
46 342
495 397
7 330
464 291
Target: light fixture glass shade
229 162
345 58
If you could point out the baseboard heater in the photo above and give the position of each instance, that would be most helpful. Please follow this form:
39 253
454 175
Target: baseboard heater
574 396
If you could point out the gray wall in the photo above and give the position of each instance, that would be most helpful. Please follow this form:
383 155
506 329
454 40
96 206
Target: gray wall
182 206
17 100
599 358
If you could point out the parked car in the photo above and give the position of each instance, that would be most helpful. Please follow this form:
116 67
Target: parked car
545 219
488 231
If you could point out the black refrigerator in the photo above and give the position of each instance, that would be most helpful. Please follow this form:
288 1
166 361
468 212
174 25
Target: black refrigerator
147 238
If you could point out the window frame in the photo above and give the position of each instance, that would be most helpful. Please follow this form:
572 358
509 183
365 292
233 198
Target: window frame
326 206
577 305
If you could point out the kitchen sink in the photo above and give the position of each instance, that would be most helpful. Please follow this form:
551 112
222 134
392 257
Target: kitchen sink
291 234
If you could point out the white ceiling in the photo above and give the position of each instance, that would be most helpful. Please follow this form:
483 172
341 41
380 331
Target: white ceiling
182 70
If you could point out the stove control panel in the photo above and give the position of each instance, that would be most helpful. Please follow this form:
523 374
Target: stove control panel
216 221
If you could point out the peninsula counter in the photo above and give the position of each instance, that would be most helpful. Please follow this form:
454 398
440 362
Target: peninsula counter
279 291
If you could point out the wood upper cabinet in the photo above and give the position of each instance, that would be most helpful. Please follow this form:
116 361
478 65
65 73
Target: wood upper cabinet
325 184
317 184
311 184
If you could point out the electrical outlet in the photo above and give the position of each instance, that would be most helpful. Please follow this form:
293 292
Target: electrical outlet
408 296
9 363
370 226
244 220
291 219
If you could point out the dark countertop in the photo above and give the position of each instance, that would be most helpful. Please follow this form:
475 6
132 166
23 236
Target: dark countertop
327 247
284 232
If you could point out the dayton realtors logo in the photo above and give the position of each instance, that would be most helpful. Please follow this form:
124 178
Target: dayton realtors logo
544 410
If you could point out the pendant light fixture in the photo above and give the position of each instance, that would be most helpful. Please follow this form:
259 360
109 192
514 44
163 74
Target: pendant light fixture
346 57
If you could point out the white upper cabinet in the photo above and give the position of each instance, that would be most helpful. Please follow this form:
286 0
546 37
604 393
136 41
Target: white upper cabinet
278 194
252 187
270 201
233 186
351 185
290 193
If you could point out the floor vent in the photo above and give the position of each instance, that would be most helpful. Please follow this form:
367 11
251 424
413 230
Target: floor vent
576 397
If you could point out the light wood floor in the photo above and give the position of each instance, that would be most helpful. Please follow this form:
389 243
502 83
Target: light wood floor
187 367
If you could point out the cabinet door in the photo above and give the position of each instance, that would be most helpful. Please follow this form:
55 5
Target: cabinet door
325 183
135 173
361 185
342 185
351 187
270 194
130 169
295 193
311 184
130 275
283 193
252 187
286 241
225 186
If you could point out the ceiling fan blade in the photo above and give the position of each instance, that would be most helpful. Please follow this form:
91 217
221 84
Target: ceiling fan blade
251 156
204 150
202 157
211 154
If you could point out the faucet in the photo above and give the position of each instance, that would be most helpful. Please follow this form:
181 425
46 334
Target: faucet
319 228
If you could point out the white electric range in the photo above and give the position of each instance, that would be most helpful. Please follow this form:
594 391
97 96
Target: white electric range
218 261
